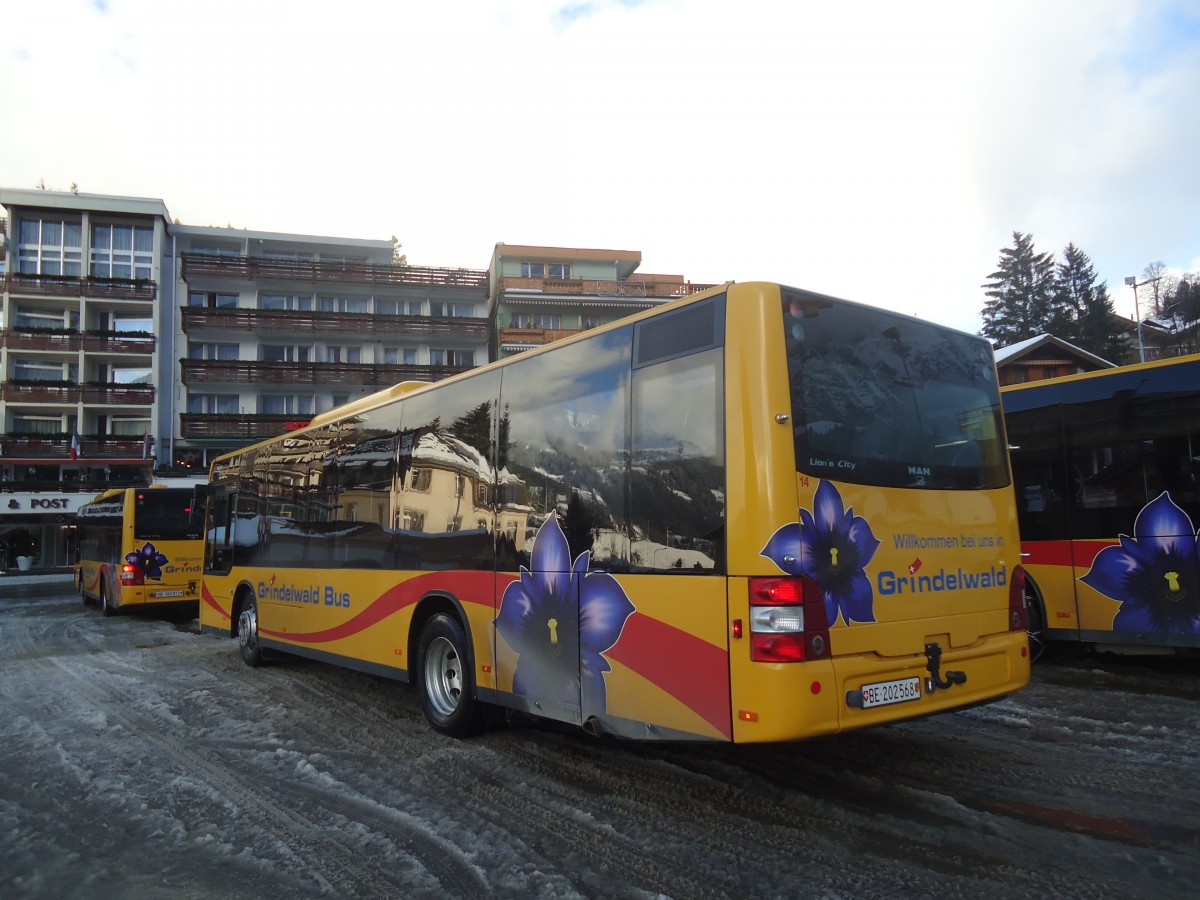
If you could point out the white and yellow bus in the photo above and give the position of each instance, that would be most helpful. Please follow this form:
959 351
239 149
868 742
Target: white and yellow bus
139 546
755 514
1107 470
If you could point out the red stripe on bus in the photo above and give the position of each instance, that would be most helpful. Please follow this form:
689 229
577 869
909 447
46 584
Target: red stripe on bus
1062 553
467 587
689 669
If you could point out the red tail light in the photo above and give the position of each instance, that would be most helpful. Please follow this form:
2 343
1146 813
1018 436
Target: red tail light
787 620
1018 615
131 575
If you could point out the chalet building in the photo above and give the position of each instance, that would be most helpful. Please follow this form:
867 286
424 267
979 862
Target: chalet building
1044 356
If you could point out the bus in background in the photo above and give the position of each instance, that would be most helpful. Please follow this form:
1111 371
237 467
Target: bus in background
1106 467
754 514
139 546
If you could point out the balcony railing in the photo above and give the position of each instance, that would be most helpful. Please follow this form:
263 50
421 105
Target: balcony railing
255 268
72 342
196 371
274 320
73 286
92 448
535 336
604 289
116 394
234 427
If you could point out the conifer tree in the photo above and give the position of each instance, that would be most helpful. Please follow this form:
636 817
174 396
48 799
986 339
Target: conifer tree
1085 314
1021 292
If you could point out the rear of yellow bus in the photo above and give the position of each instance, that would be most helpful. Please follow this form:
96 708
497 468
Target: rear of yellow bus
162 549
873 545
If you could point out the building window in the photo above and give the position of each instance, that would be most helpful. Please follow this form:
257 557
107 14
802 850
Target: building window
286 404
342 304
130 375
122 251
533 270
558 270
520 320
50 247
39 318
130 324
589 321
219 404
40 370
463 359
212 351
35 425
343 354
212 299
287 302
547 320
286 353
128 426
400 356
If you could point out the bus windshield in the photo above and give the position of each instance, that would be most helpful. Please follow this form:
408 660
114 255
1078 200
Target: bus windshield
165 515
886 400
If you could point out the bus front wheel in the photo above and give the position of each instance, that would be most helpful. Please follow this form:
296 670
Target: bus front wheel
446 681
247 634
1037 622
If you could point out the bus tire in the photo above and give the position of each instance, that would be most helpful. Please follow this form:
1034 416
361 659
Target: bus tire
445 679
1036 628
247 633
105 606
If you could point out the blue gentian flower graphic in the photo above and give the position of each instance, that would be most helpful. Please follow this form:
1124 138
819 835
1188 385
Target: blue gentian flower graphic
560 618
149 560
832 546
1154 574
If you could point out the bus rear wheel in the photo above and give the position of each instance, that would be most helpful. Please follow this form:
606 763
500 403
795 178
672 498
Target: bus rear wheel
1037 623
447 683
105 606
247 634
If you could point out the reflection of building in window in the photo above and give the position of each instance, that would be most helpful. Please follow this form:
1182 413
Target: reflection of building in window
421 479
414 520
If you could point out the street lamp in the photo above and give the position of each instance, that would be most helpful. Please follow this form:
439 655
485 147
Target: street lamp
1132 281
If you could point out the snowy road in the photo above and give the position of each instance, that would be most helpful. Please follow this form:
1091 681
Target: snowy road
143 759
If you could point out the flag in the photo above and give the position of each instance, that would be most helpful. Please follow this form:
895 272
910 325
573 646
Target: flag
74 446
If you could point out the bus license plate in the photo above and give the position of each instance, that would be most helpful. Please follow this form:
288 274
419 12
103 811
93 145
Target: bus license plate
169 594
883 693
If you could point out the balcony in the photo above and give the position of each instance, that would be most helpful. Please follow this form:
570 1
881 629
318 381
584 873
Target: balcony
197 371
57 447
114 394
73 341
274 320
604 290
526 337
256 268
235 427
17 283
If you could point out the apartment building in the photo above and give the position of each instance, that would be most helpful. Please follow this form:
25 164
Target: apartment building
131 345
274 328
541 294
82 287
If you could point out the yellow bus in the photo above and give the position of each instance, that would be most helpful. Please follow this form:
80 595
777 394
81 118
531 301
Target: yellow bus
139 546
1107 473
754 514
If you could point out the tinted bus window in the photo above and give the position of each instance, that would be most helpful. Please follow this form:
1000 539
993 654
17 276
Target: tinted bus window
886 400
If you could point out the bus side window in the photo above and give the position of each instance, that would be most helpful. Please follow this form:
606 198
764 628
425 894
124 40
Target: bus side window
220 536
677 476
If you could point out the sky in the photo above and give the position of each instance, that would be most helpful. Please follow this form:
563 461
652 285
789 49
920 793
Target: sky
880 151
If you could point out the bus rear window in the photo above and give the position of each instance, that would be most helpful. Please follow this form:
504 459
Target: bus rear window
165 515
887 400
